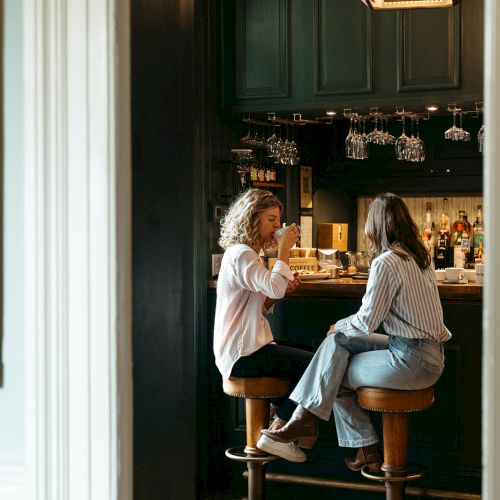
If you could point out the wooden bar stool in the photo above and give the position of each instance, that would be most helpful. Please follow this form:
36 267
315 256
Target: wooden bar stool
395 405
257 393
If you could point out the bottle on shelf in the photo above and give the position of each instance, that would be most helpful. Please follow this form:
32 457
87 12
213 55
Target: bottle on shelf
458 254
460 220
467 249
467 226
478 235
444 227
253 172
274 176
428 230
442 251
261 173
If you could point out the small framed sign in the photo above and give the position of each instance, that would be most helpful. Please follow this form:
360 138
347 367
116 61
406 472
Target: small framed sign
306 200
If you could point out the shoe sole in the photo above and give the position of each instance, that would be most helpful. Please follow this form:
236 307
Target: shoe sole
266 444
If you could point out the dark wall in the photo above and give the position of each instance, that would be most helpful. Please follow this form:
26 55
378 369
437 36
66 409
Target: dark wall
168 217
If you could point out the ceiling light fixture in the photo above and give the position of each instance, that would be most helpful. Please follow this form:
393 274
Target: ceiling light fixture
409 4
432 107
331 113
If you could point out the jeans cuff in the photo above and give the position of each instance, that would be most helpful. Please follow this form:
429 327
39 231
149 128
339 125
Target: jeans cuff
358 443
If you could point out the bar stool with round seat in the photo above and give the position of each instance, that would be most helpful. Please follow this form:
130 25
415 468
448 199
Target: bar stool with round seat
257 393
395 405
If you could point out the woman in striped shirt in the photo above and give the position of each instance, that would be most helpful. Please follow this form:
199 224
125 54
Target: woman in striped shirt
402 298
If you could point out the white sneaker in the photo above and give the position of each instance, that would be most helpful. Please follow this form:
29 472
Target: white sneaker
288 451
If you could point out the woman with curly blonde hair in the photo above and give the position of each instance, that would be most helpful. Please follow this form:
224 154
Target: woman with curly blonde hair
246 291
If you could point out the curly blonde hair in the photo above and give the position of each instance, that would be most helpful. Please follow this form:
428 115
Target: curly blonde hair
241 223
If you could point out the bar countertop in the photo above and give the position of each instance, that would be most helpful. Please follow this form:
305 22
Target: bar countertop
355 288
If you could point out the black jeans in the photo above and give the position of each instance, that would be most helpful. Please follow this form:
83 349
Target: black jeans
274 360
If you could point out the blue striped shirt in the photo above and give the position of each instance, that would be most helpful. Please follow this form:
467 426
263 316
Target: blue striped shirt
400 297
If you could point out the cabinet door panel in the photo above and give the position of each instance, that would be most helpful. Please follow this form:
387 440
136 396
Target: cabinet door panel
262 48
344 47
429 49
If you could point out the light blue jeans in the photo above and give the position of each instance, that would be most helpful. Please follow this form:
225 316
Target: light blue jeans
342 364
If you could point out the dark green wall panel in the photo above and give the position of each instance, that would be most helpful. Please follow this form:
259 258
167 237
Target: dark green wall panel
429 49
262 50
344 48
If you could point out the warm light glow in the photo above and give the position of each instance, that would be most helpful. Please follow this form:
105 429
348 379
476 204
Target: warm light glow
432 108
331 113
409 4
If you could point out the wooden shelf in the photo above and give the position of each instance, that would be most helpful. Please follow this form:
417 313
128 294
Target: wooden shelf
268 184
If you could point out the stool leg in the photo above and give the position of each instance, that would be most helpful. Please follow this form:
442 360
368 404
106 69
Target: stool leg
395 429
257 418
256 471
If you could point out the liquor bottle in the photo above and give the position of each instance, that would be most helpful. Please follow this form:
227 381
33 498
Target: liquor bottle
442 251
458 254
478 232
460 220
444 227
428 230
467 226
467 250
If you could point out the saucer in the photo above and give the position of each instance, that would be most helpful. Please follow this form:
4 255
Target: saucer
461 282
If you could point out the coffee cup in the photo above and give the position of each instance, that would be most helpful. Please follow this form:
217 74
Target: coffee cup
454 274
480 273
440 274
281 231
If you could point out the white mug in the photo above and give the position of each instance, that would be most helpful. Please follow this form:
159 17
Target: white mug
480 273
281 231
440 274
454 274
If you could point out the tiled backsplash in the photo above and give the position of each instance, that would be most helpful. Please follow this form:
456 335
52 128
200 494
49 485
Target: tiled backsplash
417 206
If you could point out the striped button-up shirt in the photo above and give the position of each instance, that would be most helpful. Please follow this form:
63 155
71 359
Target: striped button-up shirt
400 297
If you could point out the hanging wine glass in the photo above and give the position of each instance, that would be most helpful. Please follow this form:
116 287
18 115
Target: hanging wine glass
401 143
480 138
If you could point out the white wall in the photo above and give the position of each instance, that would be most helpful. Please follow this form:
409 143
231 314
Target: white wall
12 391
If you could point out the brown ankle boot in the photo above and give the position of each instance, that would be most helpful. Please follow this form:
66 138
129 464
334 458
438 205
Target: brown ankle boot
367 455
302 427
273 409
276 424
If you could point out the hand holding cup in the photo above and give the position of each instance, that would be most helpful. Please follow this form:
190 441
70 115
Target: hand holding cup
287 235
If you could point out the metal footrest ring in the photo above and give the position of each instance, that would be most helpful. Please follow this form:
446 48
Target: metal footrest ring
237 453
394 479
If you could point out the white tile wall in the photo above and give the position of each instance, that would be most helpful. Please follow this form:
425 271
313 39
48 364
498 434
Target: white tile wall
417 206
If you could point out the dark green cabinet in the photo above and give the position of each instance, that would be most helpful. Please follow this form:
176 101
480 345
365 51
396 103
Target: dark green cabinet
301 55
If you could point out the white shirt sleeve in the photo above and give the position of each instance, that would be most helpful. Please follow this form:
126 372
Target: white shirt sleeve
253 275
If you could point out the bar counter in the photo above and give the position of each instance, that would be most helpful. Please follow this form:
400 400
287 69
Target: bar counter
355 288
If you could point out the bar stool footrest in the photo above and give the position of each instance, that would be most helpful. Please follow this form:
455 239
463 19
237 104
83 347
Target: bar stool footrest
237 453
395 479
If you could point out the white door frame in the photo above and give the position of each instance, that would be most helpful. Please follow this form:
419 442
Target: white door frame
78 250
491 295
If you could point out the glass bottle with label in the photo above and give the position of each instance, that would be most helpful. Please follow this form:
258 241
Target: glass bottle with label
444 227
467 250
442 251
458 254
428 230
460 220
478 232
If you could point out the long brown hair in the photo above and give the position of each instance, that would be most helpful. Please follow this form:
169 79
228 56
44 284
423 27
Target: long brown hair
241 223
389 226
